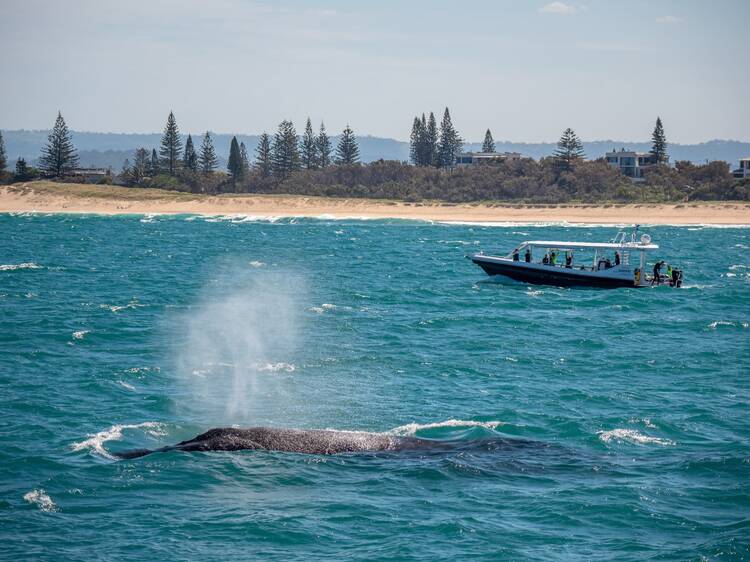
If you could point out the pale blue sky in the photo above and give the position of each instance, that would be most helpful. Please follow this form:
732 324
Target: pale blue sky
525 69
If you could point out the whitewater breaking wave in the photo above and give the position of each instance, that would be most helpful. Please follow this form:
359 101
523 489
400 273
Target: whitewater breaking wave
95 442
413 428
41 499
17 266
632 436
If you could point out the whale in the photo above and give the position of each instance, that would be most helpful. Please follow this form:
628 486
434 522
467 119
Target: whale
311 441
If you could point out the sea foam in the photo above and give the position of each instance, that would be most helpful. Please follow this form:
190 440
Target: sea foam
95 442
632 436
412 428
41 499
17 266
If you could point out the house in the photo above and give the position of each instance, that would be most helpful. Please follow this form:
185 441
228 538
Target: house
744 170
631 163
474 158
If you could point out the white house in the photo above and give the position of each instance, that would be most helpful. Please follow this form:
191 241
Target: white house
474 158
631 163
744 170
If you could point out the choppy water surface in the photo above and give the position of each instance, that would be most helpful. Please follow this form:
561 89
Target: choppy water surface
127 332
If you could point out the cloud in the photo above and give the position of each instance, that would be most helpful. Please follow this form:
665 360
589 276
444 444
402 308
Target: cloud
669 19
559 8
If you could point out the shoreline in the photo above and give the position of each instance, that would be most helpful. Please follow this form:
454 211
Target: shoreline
50 197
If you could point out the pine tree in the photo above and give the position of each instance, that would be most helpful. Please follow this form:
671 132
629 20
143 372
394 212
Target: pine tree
171 146
263 160
569 151
659 144
415 148
234 164
207 161
324 147
244 160
424 142
309 148
59 155
153 165
347 151
450 144
431 142
285 151
489 143
190 160
23 172
3 155
140 165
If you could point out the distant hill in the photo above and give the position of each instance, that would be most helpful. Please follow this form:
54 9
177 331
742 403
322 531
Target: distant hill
111 149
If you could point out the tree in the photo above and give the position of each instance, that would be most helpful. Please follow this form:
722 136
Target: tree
450 144
244 160
347 151
263 160
569 151
207 162
3 155
309 148
190 160
431 142
171 146
489 143
59 155
324 147
234 165
126 174
141 165
23 172
153 165
415 143
659 144
285 151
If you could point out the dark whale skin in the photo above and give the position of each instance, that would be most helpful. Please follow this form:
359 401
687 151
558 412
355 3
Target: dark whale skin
310 441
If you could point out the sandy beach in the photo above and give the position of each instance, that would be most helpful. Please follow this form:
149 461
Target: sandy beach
50 197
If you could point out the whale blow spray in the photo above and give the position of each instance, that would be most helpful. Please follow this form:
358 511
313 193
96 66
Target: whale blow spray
238 347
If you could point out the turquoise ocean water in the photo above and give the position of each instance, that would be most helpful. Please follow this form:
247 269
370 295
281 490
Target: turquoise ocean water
130 331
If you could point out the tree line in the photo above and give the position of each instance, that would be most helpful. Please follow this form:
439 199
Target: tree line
310 165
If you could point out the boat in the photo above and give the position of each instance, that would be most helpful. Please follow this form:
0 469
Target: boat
619 263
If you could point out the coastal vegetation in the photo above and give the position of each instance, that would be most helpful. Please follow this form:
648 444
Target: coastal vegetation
286 163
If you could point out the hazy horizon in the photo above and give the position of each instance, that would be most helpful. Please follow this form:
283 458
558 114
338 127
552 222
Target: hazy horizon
525 70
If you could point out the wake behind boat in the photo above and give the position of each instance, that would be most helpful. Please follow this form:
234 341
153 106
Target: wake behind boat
619 263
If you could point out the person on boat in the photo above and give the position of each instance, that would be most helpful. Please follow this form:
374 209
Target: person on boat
657 272
515 255
545 259
569 260
669 271
527 256
553 258
617 258
607 263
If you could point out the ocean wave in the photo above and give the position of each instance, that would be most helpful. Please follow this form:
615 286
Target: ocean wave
632 436
276 367
79 334
95 442
412 428
117 308
40 498
324 307
715 325
17 266
256 263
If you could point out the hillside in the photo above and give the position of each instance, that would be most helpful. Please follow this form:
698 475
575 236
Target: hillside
111 149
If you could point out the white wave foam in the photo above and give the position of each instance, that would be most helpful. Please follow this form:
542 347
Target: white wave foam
277 367
323 307
632 436
117 308
412 428
126 385
96 441
256 263
715 325
79 334
41 499
17 266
